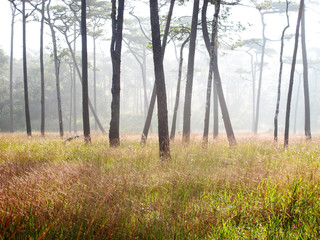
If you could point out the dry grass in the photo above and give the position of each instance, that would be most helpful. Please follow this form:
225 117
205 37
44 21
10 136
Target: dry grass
55 190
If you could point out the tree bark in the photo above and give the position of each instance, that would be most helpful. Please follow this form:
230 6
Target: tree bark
293 65
189 83
147 124
176 104
307 127
85 95
115 49
163 134
275 137
25 71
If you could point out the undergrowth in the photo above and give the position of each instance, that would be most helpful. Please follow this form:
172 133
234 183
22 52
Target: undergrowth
50 189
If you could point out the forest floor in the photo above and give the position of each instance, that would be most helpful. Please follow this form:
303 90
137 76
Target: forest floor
51 189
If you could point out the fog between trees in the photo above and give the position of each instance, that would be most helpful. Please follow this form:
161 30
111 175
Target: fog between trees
236 46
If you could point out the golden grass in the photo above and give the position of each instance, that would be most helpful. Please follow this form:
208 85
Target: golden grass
55 190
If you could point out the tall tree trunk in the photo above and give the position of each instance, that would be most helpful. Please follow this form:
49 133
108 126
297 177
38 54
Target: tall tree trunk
13 9
264 41
164 148
85 95
296 107
74 82
189 83
280 76
115 49
57 70
217 79
94 80
25 72
147 123
253 76
176 104
215 102
142 65
211 46
71 98
42 127
293 65
80 78
307 127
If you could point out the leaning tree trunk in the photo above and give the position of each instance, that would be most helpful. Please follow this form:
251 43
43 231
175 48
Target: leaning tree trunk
11 67
164 149
25 72
264 41
42 71
280 76
176 104
115 49
307 127
217 79
189 83
85 95
293 65
147 123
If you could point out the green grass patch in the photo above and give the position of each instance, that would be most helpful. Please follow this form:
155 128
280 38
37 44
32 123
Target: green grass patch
50 189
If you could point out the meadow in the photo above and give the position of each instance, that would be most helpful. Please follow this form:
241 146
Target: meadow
51 189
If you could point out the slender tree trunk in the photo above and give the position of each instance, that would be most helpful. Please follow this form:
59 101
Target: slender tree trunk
189 83
11 67
210 47
176 104
71 98
142 65
215 102
74 82
116 44
264 41
280 76
307 127
154 91
217 79
296 107
25 72
293 65
80 78
164 148
94 80
42 127
57 70
85 95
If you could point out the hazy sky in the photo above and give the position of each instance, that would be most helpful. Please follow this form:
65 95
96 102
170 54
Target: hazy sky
245 15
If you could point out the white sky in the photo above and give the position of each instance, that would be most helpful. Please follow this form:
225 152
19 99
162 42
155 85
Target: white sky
273 30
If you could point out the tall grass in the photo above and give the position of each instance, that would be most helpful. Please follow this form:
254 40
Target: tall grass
256 190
